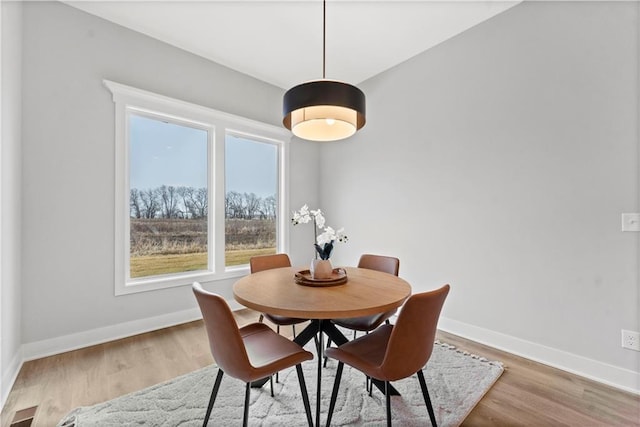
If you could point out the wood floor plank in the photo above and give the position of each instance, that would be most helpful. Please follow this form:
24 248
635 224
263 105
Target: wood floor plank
556 397
527 394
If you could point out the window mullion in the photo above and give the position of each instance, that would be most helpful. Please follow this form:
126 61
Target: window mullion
283 199
217 210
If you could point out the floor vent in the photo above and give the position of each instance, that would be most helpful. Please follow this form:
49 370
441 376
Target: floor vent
24 417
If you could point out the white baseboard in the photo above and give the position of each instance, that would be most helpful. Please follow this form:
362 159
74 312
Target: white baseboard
57 345
48 347
9 377
614 376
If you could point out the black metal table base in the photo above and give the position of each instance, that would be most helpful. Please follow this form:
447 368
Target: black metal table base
319 328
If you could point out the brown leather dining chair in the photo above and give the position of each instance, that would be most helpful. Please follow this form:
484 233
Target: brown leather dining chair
394 352
266 262
249 353
386 264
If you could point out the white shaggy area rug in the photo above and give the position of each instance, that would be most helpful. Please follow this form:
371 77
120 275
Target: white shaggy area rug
456 381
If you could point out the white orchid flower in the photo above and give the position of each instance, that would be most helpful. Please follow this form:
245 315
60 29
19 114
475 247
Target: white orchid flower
302 216
328 236
324 241
340 236
319 218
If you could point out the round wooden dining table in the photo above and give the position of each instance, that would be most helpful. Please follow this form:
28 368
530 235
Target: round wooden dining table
366 292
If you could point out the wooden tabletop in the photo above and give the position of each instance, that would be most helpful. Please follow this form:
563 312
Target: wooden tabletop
366 292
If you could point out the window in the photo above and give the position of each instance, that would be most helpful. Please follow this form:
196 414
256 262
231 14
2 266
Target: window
168 196
251 198
198 191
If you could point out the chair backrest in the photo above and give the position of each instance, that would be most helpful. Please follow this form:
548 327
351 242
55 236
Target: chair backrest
267 262
227 347
386 264
411 341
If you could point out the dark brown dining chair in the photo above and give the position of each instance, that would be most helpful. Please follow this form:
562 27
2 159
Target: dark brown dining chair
249 353
394 352
386 264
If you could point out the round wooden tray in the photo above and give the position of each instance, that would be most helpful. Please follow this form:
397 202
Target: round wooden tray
338 277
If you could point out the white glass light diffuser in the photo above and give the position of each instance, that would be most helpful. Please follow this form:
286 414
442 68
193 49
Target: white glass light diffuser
324 122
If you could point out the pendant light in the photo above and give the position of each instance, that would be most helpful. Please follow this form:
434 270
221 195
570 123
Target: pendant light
324 110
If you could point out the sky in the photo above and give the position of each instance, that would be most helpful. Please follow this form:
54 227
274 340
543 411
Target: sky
251 167
163 153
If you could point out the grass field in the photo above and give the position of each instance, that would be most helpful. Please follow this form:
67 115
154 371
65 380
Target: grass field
166 246
152 265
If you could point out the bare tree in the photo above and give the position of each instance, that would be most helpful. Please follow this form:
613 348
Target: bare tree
134 203
194 202
186 193
269 207
251 205
200 202
150 205
233 205
169 201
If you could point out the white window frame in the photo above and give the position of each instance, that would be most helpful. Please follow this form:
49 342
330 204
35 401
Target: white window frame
129 100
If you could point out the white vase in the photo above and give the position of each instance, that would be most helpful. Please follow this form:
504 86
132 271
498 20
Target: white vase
321 269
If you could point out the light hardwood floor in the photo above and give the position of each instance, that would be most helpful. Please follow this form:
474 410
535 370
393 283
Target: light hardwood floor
527 394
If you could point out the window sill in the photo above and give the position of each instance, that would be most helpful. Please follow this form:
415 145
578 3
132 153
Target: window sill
183 279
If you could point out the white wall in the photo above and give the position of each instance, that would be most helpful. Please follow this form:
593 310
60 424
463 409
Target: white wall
500 162
68 172
305 189
10 178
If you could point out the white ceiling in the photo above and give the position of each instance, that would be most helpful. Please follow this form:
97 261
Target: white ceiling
280 42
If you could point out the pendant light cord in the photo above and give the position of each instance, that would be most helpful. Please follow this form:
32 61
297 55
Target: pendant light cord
324 36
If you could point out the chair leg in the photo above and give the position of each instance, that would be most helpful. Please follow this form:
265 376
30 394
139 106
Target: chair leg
245 417
319 375
293 327
387 397
261 318
328 345
427 399
334 393
305 395
214 393
278 331
271 384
